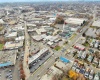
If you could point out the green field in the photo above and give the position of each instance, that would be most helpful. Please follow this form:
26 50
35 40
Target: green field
57 48
72 36
1 46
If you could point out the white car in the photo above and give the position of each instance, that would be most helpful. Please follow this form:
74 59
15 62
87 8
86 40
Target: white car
96 77
73 68
91 76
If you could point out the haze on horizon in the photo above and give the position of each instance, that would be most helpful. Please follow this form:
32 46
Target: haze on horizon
41 0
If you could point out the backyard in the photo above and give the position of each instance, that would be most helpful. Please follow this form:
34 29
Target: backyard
1 46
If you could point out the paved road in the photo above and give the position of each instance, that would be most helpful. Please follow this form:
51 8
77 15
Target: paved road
26 54
51 61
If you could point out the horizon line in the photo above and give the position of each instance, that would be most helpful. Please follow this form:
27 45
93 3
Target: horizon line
50 1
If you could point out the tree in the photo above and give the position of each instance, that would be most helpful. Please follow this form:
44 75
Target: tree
83 34
59 20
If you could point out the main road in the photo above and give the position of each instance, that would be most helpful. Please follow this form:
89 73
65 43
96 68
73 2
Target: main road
43 68
40 71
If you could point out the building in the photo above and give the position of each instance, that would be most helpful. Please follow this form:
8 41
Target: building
79 46
13 44
91 32
41 31
76 21
8 58
18 28
37 38
51 73
20 38
37 55
90 58
96 23
11 35
1 21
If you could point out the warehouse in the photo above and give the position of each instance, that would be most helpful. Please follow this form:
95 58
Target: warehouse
77 21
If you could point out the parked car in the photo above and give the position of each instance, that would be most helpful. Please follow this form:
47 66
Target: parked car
97 76
77 70
82 71
86 74
91 76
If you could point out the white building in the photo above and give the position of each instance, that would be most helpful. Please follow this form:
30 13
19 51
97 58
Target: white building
13 45
36 56
77 21
20 38
12 34
96 23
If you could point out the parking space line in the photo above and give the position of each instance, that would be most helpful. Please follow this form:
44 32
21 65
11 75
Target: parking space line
40 66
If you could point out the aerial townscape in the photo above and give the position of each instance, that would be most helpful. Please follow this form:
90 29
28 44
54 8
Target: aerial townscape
49 40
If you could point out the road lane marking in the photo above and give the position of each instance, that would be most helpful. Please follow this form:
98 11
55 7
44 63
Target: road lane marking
41 66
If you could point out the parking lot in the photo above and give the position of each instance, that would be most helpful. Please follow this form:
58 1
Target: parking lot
39 62
6 73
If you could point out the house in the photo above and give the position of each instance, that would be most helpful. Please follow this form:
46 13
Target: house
1 21
83 55
90 58
95 60
79 46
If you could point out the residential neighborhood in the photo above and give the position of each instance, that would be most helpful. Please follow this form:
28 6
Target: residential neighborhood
50 40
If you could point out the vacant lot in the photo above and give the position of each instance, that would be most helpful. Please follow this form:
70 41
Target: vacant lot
57 48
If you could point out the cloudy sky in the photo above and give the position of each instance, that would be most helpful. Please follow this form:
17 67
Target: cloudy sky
41 0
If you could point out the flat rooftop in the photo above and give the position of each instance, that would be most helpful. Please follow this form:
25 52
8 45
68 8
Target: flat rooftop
8 56
96 23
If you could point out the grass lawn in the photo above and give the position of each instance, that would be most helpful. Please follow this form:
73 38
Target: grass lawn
1 46
1 28
64 78
92 26
86 44
65 43
57 48
72 36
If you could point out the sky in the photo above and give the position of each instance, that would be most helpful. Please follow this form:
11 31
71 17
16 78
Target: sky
41 0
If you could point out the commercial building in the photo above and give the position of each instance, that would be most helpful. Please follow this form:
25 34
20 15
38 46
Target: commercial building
11 35
37 38
96 23
20 38
37 55
13 44
8 58
41 31
93 32
76 21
